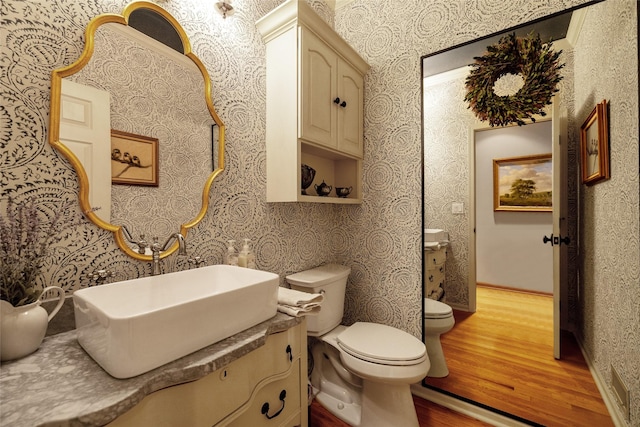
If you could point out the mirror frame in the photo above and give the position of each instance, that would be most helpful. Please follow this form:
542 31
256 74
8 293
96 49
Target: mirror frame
54 123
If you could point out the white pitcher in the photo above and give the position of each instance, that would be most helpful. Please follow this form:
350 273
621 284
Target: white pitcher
23 328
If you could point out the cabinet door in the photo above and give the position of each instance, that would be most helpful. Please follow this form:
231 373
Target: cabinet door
350 111
318 90
435 258
275 403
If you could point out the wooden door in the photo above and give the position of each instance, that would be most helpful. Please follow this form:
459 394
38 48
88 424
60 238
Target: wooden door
85 128
559 238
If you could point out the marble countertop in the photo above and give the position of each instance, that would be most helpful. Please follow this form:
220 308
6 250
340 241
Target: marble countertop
61 385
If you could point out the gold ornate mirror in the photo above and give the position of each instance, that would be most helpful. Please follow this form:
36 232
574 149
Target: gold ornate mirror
130 116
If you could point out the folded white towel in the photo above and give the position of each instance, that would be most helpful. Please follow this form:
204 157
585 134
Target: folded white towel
297 303
292 297
298 311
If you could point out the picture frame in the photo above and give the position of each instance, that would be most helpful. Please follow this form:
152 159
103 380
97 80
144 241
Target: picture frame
134 159
594 145
523 184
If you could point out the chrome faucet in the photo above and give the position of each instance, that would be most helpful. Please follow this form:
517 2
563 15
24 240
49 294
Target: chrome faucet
156 248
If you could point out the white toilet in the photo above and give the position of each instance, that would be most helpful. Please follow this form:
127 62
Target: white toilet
438 319
361 373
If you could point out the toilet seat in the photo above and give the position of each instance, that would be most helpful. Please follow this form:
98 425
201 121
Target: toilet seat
381 344
436 310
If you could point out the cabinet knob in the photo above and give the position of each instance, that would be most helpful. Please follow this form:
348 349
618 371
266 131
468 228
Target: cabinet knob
290 353
343 104
336 101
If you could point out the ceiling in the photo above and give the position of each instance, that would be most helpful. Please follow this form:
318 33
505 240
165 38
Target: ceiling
551 28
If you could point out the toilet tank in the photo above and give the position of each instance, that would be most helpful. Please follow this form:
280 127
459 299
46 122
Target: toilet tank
331 281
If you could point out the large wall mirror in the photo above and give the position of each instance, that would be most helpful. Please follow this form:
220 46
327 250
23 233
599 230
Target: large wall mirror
134 116
450 138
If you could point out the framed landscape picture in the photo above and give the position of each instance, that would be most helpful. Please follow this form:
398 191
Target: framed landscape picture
134 159
523 183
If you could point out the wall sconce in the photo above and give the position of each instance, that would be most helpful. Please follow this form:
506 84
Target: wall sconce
225 8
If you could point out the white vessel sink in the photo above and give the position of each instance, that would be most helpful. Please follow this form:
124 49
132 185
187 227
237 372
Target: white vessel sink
435 238
137 325
435 235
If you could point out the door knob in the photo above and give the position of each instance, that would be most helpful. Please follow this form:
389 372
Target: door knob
556 240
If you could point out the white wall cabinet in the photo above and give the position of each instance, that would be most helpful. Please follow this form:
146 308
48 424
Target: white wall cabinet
267 387
332 98
315 106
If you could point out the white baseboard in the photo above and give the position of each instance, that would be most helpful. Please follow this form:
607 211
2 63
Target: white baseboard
458 306
609 400
465 408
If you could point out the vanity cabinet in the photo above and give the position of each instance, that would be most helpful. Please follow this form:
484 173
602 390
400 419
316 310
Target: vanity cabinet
315 106
434 272
266 387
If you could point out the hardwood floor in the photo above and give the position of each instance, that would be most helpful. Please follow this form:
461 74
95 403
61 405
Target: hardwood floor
502 356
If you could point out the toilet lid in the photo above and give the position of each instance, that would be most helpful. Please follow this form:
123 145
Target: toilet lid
381 344
435 309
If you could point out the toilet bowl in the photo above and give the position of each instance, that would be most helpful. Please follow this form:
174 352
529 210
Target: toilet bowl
438 319
361 373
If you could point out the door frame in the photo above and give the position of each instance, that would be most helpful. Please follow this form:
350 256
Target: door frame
472 276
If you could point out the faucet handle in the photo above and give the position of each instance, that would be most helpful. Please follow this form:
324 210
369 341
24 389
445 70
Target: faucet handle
197 261
142 245
98 276
155 246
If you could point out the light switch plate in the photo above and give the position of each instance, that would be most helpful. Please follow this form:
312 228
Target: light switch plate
457 208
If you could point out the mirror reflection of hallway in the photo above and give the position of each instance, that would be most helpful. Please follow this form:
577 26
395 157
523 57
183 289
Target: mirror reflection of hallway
509 247
501 357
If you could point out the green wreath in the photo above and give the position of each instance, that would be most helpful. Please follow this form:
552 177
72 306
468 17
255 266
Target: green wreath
534 61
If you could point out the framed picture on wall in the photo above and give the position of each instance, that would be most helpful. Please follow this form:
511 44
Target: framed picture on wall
594 145
134 159
523 184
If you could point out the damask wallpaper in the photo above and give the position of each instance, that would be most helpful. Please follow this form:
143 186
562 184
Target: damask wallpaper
39 36
609 214
381 238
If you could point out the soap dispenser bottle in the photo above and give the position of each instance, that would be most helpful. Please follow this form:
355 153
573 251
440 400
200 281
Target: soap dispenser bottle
231 257
251 257
246 257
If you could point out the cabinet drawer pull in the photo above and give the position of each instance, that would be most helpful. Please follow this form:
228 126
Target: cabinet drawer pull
265 408
288 350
